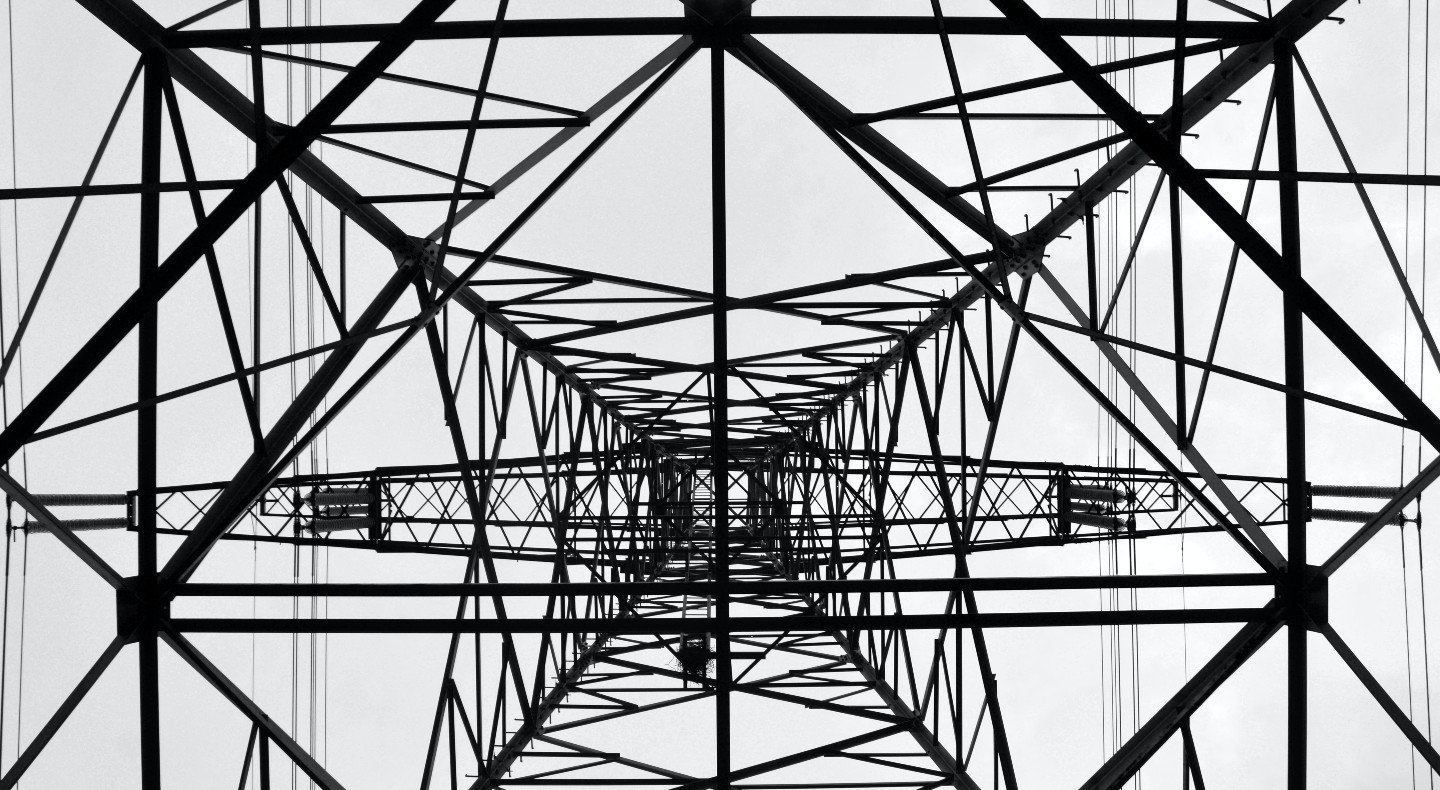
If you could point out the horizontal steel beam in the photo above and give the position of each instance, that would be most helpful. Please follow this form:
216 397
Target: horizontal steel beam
1323 177
733 625
1219 210
195 75
1295 20
232 693
679 26
842 586
1170 716
96 190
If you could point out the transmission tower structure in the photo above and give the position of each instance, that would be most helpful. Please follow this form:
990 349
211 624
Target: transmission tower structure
708 394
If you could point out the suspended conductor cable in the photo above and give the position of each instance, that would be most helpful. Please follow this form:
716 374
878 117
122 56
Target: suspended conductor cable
294 388
1107 689
1184 628
325 602
1409 670
5 630
1100 595
1419 446
1409 131
9 539
20 669
1424 632
1135 655
313 700
24 454
15 227
1405 374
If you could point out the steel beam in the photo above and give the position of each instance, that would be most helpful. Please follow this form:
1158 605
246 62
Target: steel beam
720 417
232 693
1297 579
1417 739
677 625
707 588
130 22
146 425
57 527
52 725
678 26
1207 199
1128 759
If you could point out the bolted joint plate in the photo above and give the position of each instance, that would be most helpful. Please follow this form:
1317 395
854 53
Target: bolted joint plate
418 252
717 12
1314 600
136 611
1025 262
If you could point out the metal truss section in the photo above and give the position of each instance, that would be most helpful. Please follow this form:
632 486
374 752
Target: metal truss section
737 395
823 508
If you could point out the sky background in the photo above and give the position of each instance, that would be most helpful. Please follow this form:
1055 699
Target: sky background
799 212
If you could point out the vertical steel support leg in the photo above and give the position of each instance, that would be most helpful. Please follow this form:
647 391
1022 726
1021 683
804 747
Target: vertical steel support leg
146 424
719 426
1296 507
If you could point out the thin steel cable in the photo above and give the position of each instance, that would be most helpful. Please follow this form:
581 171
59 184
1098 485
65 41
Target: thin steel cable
9 537
1409 235
1107 686
5 398
294 388
1405 360
1409 669
4 343
324 638
20 648
15 226
1424 631
1419 446
5 631
311 227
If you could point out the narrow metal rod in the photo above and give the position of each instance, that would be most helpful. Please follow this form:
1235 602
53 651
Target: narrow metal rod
962 568
479 555
1262 548
185 254
1392 708
1201 193
79 193
1168 717
56 720
1416 313
57 527
1386 515
269 730
1134 250
1225 289
217 282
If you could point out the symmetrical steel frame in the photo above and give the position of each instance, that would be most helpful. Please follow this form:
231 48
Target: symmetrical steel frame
748 525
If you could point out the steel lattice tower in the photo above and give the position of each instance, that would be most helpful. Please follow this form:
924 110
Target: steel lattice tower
707 394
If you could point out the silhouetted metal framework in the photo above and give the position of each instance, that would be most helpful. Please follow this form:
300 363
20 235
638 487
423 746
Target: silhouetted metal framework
696 533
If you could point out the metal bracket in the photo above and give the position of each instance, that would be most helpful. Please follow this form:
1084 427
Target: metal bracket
134 613
1315 600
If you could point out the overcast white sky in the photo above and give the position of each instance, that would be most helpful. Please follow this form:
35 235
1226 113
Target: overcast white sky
799 212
